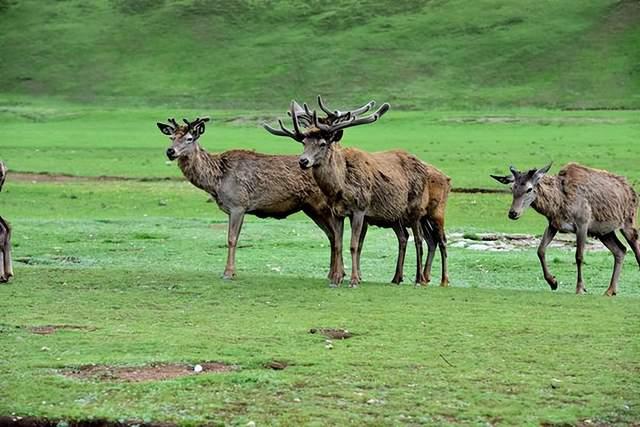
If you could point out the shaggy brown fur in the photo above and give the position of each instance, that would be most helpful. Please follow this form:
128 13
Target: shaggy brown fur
583 201
387 189
244 182
6 266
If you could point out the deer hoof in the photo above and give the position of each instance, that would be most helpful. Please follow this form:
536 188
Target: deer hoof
553 283
228 276
609 293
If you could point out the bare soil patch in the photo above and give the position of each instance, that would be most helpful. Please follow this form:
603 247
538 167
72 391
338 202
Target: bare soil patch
16 421
333 333
276 365
53 177
152 372
51 329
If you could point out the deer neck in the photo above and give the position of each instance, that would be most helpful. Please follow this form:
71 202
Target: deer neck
549 197
330 175
202 169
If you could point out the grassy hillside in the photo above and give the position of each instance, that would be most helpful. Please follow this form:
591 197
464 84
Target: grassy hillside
261 53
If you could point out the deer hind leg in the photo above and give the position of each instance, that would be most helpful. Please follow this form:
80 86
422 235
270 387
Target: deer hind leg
403 236
618 250
441 239
432 245
8 263
547 237
631 236
416 228
581 240
235 225
4 241
363 234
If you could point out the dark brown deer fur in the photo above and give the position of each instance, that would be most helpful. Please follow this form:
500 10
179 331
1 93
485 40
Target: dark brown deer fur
244 182
583 201
6 266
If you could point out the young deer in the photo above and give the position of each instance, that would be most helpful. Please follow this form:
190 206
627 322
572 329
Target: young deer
244 182
6 266
383 189
578 200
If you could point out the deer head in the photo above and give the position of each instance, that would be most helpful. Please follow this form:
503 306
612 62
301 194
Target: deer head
3 174
183 137
524 186
319 134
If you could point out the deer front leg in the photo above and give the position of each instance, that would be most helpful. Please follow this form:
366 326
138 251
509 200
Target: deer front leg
618 250
581 240
547 237
338 271
235 225
402 235
357 221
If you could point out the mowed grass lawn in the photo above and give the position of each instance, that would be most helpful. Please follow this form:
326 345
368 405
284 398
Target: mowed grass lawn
139 265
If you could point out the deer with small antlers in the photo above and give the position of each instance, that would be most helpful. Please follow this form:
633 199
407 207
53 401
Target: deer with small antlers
6 266
578 200
245 182
387 189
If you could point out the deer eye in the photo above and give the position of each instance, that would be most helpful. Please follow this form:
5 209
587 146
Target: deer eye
323 144
529 190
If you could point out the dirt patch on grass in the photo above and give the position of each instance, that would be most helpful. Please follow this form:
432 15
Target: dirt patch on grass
276 365
16 421
51 329
54 177
153 372
333 333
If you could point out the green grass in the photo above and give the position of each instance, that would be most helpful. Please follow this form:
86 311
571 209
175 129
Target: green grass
146 276
243 53
63 138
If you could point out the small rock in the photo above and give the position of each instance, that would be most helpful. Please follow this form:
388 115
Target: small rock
251 424
45 349
329 346
297 400
197 368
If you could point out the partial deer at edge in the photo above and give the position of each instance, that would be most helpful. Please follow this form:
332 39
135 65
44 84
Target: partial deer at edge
6 266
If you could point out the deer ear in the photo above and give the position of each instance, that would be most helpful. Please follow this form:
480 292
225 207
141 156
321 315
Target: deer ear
335 138
199 130
164 128
540 173
507 179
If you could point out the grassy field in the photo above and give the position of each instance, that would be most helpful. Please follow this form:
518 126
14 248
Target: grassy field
138 264
416 54
123 272
62 138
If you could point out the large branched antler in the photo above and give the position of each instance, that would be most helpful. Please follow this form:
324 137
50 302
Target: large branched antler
335 116
297 113
350 119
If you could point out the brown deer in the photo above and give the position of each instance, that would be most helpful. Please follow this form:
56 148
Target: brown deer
578 200
384 189
6 266
245 182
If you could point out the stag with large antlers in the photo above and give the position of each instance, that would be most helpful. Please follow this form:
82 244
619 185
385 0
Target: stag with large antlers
578 200
244 182
6 267
385 189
